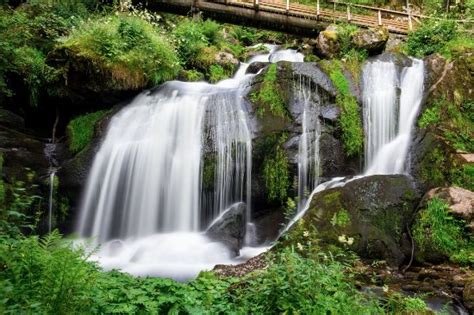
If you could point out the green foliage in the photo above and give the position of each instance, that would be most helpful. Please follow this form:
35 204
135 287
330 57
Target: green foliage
217 73
128 49
350 121
81 130
42 275
276 173
437 231
463 176
454 122
432 36
269 96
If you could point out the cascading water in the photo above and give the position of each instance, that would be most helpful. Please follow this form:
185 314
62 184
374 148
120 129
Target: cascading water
308 146
145 201
50 152
389 120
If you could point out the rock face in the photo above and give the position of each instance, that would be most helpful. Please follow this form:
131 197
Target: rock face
226 60
229 227
372 40
459 200
327 43
370 215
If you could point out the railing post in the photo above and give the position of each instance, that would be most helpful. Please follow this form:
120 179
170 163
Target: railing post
255 4
334 12
317 8
379 16
287 6
348 13
410 25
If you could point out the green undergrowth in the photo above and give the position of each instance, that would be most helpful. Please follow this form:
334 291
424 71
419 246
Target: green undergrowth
436 231
438 36
350 120
269 96
276 172
81 130
45 275
454 122
128 49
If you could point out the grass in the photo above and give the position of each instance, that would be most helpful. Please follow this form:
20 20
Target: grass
81 130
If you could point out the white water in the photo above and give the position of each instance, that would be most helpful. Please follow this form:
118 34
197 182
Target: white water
308 146
389 120
52 174
143 197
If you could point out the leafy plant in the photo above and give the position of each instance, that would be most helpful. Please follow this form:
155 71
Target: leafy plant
432 36
270 97
276 173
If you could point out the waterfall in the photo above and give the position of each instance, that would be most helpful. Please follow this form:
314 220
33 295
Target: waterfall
52 174
389 119
146 200
308 145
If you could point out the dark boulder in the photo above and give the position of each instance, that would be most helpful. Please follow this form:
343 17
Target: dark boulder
255 67
229 227
369 215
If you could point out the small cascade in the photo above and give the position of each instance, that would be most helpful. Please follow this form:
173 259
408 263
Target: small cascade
389 120
50 152
308 146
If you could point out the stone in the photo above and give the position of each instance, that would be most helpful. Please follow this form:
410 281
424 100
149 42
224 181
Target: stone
327 43
229 227
255 67
369 215
226 60
373 40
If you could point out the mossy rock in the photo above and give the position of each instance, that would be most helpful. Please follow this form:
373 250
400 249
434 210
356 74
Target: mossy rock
369 215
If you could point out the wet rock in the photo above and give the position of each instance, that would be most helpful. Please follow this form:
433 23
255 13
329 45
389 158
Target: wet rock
229 227
327 43
369 215
373 40
255 67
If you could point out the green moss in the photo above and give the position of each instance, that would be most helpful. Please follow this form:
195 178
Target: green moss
276 173
463 176
193 75
2 184
81 130
270 96
332 197
437 231
208 171
218 73
341 218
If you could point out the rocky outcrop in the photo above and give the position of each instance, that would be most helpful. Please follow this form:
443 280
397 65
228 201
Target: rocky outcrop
369 215
229 227
372 40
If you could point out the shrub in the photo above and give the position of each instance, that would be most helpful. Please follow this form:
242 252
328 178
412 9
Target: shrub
81 130
431 37
217 73
128 49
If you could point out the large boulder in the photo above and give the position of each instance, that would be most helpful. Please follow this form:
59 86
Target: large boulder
229 227
373 40
327 44
370 215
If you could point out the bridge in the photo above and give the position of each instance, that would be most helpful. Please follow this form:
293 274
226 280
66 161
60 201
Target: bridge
289 16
